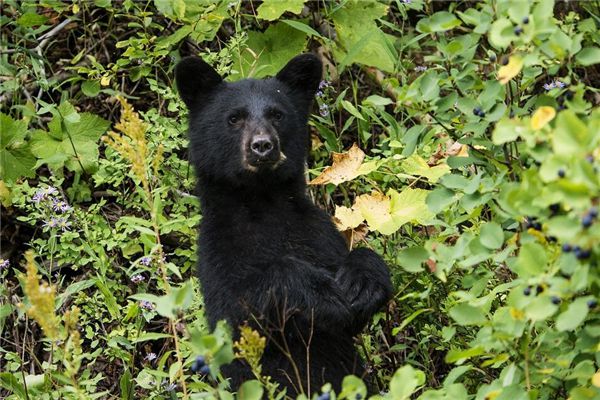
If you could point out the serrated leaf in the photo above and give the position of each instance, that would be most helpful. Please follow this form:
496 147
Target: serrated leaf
345 167
270 51
77 146
387 214
347 218
16 159
271 10
362 40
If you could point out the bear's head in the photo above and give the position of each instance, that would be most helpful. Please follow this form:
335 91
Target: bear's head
252 129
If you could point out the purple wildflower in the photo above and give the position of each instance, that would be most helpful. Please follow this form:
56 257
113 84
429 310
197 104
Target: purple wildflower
406 1
323 85
420 68
150 357
319 93
137 278
4 264
43 194
146 260
324 110
58 222
559 84
549 86
146 305
61 206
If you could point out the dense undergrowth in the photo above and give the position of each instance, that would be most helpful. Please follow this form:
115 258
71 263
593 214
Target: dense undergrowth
481 129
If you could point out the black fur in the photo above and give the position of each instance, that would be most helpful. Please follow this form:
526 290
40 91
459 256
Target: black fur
267 255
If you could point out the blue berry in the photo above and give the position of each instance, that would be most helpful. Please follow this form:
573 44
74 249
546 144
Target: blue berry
569 95
593 212
324 396
587 221
583 254
592 303
477 111
527 291
566 248
200 360
492 57
561 173
539 289
195 367
526 20
205 370
518 30
555 300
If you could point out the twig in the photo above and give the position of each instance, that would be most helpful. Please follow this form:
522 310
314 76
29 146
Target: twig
49 35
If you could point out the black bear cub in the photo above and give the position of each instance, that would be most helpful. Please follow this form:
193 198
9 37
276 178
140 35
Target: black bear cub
268 256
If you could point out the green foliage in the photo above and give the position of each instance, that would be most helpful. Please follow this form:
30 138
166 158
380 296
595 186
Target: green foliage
478 181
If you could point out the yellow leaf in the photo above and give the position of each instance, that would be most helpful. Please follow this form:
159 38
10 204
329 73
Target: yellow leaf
416 165
75 8
345 167
510 70
542 116
375 208
596 379
387 214
347 218
105 80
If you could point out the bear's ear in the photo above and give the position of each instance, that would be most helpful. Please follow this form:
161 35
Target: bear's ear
195 79
302 73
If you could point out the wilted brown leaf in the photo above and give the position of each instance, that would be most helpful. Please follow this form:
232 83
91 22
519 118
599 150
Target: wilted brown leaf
345 167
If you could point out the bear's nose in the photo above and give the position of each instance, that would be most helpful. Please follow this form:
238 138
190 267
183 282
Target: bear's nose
261 146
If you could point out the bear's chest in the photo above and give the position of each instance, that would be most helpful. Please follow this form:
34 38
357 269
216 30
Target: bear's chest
260 236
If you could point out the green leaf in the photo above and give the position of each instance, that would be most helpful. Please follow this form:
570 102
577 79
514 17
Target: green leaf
405 382
573 316
532 260
302 27
91 88
588 56
360 37
273 48
439 22
411 259
29 20
465 314
10 383
571 135
273 9
491 235
501 33
506 130
250 390
16 159
74 145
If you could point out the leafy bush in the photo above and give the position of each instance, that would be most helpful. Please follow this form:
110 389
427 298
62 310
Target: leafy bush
468 147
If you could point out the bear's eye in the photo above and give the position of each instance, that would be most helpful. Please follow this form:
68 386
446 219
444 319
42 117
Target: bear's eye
233 119
277 115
